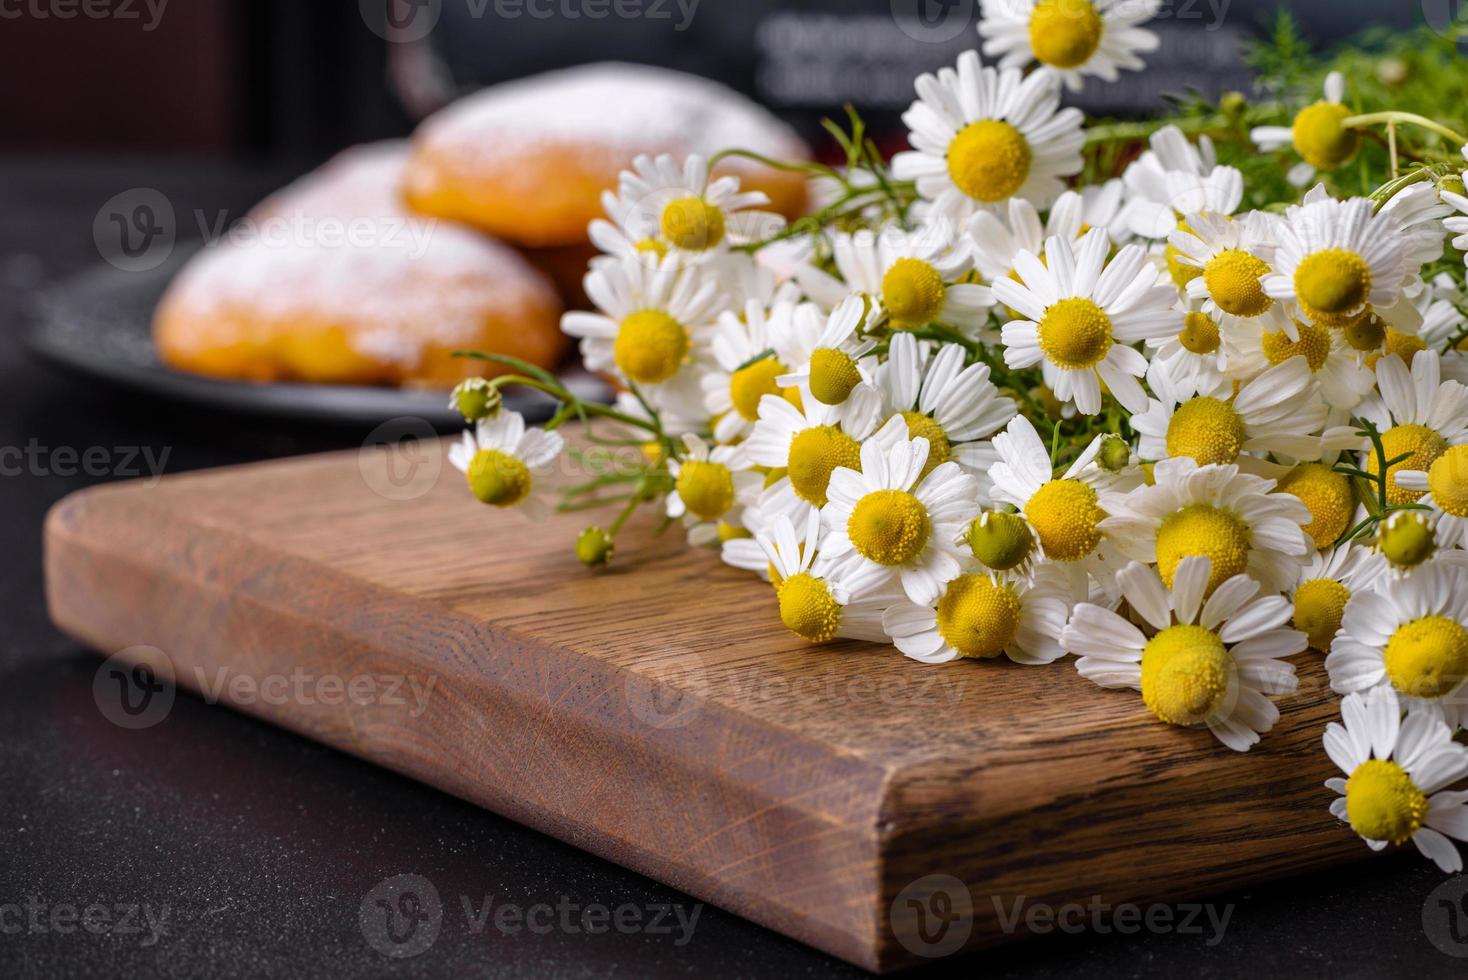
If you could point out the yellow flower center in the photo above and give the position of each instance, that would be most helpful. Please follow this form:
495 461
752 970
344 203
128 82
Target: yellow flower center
1421 445
652 246
1331 284
807 609
1199 334
815 453
1404 345
1406 540
1000 540
890 527
751 383
1075 333
912 293
692 224
1232 277
1319 137
833 375
1319 605
731 532
1185 674
1207 430
989 160
1327 494
940 450
1427 657
1182 270
1064 513
1382 802
498 478
1447 481
1313 345
650 346
1203 529
1065 33
706 488
978 617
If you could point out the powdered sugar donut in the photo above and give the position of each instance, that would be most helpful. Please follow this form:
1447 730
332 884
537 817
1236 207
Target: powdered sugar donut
527 161
332 281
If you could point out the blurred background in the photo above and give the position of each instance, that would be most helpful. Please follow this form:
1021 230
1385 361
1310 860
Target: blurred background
284 80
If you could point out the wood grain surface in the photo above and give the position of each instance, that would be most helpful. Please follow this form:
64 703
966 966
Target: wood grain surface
657 714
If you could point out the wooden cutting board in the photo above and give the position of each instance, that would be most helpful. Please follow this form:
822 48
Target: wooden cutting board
657 714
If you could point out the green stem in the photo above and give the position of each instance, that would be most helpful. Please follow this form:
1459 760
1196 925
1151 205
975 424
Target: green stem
1410 118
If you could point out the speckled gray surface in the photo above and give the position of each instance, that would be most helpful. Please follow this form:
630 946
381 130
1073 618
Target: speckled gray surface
255 849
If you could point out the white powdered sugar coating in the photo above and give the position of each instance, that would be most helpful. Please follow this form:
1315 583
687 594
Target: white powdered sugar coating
628 109
339 245
362 180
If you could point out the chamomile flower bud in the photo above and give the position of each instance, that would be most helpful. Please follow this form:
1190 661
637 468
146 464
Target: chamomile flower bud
475 399
1114 454
594 547
1406 539
1000 540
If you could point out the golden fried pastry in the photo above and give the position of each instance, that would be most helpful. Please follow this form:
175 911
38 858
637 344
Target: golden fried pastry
331 281
528 161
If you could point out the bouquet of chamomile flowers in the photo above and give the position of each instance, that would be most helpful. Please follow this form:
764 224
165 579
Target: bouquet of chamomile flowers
1036 389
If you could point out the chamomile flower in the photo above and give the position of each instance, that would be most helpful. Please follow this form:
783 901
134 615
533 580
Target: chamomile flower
1279 412
1069 38
1419 417
895 515
1397 772
651 319
812 606
984 615
825 353
1335 258
1446 482
1214 511
1064 512
1325 585
912 277
982 136
997 241
1224 256
662 209
1081 313
955 408
1410 633
808 443
709 483
1251 346
1206 662
1190 359
505 463
1317 134
1175 178
746 364
1328 496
